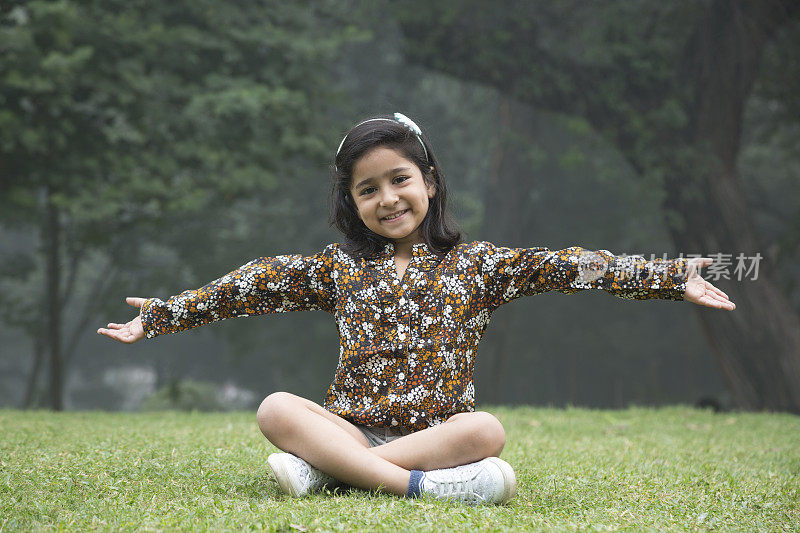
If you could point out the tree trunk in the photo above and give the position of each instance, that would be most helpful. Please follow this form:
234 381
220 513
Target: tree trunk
52 242
757 347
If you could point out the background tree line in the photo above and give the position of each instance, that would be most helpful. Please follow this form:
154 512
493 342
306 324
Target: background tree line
149 147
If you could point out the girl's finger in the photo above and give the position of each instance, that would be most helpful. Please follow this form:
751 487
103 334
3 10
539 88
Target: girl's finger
697 263
723 303
135 301
720 295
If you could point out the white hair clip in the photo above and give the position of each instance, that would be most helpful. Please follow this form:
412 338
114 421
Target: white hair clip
399 118
410 124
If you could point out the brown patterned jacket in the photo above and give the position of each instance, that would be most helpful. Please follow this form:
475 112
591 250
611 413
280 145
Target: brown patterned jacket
408 346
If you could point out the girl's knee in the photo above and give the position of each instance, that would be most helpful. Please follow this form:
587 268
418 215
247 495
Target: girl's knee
273 412
485 431
489 433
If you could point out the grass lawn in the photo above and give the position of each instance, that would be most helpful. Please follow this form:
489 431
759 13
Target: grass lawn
577 469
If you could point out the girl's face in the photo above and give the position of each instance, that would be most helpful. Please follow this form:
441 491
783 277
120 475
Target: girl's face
390 194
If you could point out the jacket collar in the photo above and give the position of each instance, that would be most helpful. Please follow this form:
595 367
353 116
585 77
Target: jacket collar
421 253
421 256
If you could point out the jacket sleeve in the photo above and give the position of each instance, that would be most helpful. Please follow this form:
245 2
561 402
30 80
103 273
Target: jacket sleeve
508 273
265 285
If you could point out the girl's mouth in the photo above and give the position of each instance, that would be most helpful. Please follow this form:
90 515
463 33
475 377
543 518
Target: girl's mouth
394 216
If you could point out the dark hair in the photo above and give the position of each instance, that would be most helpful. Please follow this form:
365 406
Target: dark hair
438 229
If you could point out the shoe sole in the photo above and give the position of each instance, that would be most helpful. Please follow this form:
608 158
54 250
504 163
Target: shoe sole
509 479
282 476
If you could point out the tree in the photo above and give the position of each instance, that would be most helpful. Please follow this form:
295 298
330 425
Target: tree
121 120
667 84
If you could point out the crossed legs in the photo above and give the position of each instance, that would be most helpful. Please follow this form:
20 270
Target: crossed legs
335 446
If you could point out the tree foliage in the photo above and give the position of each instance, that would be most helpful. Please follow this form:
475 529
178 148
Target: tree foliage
121 122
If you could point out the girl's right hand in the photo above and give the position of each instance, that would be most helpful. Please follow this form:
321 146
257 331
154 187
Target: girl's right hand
127 333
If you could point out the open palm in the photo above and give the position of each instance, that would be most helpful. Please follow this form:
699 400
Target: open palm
700 291
127 333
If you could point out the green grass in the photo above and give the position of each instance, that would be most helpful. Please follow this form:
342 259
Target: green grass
637 469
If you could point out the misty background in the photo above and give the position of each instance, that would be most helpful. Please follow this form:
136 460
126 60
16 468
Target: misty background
151 147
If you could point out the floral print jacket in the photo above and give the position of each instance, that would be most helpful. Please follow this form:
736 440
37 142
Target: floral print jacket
408 346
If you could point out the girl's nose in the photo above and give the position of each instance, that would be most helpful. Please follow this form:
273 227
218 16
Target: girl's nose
389 198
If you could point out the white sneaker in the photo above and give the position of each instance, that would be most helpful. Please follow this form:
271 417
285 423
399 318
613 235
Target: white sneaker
489 481
296 477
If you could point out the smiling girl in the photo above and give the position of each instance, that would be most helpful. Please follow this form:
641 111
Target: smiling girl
411 303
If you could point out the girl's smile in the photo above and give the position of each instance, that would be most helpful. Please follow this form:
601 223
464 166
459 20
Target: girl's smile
391 195
393 217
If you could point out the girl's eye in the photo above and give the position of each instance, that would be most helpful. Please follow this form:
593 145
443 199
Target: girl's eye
370 190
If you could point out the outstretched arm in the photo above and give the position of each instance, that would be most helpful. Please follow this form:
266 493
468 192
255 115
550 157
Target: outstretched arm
700 291
127 333
265 285
508 273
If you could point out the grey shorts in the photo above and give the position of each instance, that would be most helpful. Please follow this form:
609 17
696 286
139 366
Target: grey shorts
376 436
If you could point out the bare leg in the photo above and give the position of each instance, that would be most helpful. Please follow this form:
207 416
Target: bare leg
464 438
338 448
328 442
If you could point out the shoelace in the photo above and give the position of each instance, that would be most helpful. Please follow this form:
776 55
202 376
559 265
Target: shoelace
459 487
312 477
307 476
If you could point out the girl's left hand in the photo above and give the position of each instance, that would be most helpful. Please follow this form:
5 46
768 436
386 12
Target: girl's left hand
128 333
700 291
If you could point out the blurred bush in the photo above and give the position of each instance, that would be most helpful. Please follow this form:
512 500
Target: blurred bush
187 395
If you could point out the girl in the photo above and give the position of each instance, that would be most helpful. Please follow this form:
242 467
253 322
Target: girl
411 304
